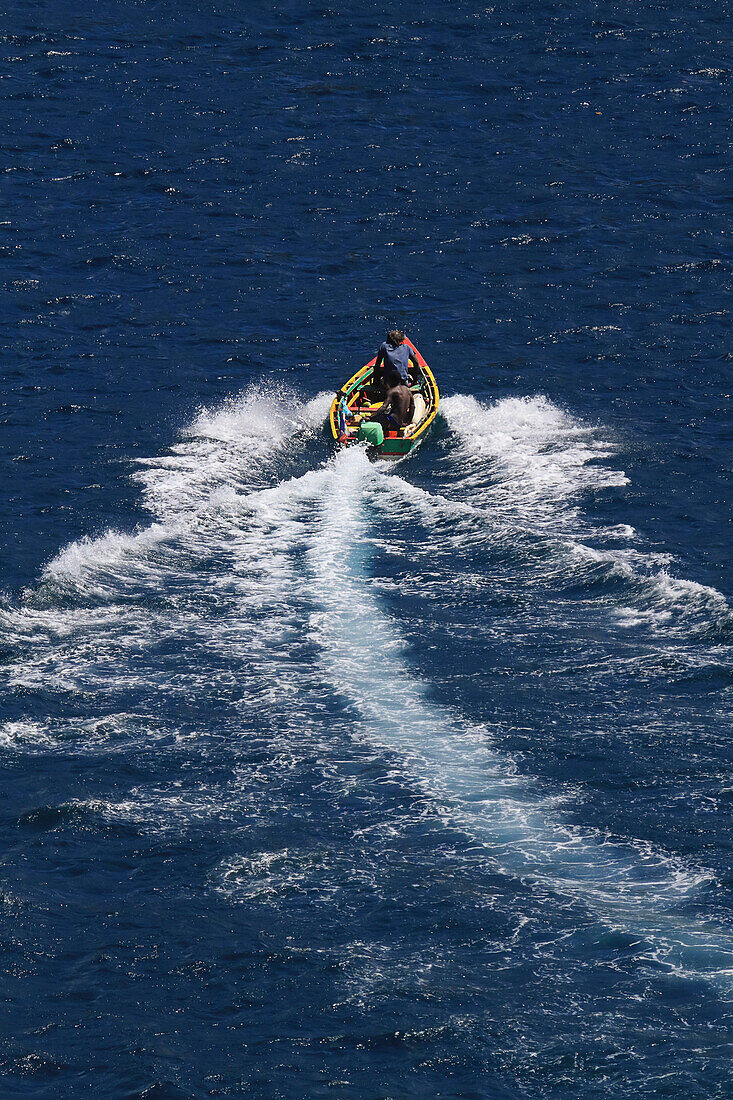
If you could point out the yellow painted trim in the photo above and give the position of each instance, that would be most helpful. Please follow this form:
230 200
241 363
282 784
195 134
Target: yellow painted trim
334 403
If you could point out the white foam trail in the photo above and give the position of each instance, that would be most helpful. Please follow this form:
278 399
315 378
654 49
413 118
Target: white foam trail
25 737
162 581
229 448
228 452
213 509
273 875
106 734
526 465
659 599
526 457
632 887
88 563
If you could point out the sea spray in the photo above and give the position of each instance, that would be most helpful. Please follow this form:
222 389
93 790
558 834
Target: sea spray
630 887
221 571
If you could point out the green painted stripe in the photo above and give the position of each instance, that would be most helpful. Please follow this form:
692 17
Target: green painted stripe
396 446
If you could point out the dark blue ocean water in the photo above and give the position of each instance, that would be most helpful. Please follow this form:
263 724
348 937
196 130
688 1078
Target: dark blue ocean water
323 778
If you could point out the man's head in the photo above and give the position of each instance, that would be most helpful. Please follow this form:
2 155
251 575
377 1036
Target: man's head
395 337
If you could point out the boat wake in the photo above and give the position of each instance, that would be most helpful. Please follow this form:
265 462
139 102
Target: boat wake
253 590
631 887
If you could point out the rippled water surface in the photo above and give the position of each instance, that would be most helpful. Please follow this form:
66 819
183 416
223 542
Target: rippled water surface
324 777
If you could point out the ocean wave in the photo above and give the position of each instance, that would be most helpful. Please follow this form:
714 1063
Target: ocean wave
526 458
231 447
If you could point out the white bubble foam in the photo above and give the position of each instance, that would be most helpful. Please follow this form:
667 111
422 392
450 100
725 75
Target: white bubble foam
221 571
230 447
25 736
526 465
270 876
628 885
525 456
87 563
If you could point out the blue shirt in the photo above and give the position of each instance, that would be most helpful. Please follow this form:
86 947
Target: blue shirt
395 359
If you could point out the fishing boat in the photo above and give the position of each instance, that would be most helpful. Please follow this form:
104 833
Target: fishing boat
353 405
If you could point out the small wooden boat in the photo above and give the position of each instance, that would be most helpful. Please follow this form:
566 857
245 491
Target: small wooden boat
353 405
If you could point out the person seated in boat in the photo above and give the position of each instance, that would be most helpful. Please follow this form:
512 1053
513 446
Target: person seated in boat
394 358
398 408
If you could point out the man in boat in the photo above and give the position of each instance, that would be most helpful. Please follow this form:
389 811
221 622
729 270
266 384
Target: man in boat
398 408
393 362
